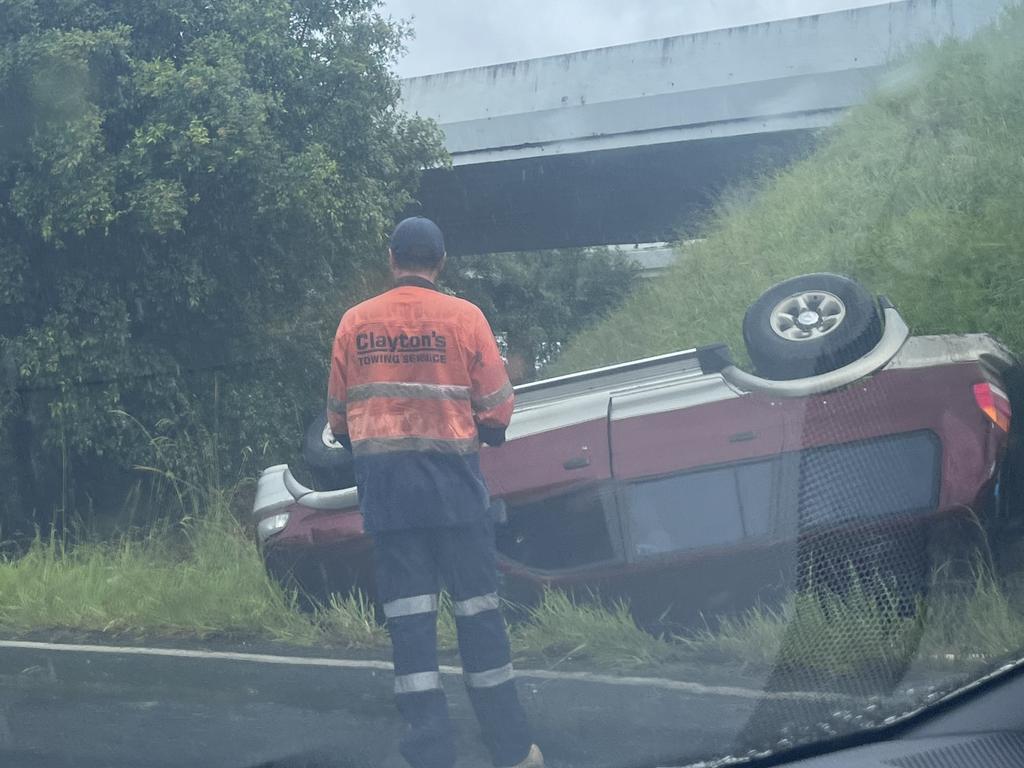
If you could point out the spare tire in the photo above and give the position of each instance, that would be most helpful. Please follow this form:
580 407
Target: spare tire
328 462
810 325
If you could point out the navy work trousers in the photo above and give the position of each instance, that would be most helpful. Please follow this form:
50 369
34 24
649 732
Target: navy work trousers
411 566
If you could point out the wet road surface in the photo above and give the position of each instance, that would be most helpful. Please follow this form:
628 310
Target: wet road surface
93 707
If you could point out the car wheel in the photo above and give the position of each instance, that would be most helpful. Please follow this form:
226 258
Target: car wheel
328 462
810 325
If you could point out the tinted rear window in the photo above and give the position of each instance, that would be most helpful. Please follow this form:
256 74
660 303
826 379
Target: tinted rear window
722 506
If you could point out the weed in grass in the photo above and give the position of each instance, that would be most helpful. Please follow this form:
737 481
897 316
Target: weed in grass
350 621
848 634
560 628
752 639
984 622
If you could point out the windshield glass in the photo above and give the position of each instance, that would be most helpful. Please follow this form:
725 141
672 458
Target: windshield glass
581 384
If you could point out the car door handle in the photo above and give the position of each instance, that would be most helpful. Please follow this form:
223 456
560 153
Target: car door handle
578 462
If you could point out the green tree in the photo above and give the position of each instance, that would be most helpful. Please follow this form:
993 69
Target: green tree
537 301
190 194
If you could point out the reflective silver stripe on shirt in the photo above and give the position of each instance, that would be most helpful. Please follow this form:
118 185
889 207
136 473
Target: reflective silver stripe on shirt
493 400
489 678
407 389
410 606
338 406
376 445
475 605
418 682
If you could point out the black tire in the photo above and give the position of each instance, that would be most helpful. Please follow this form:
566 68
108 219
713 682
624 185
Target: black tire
826 347
329 465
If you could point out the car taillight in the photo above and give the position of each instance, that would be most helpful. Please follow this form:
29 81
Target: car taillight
994 403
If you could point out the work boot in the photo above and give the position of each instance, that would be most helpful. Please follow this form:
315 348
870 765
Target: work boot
533 760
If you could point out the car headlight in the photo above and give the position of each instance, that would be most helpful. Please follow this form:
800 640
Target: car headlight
268 526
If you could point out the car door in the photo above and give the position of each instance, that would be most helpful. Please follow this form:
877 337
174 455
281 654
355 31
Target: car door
552 444
697 471
551 482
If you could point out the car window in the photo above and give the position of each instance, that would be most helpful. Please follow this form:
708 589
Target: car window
561 532
695 510
692 511
889 477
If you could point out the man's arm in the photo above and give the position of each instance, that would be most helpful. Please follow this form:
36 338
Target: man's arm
337 389
492 395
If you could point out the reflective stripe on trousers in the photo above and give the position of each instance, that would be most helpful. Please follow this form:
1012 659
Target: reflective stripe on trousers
412 622
411 565
489 678
417 682
409 606
480 625
486 657
474 605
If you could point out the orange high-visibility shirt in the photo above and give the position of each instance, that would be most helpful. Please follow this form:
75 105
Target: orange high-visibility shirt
413 371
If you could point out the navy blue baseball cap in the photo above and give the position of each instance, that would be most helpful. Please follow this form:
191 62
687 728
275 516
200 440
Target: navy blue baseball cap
418 241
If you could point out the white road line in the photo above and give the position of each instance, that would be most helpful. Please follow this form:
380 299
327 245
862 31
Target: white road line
384 666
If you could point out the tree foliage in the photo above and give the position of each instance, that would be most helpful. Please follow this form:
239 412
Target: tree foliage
537 301
190 194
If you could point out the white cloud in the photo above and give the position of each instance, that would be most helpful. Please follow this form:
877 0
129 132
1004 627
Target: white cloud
455 34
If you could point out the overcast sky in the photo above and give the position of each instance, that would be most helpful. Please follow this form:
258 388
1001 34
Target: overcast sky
456 34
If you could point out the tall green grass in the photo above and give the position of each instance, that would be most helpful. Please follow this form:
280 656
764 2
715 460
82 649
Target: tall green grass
917 193
201 578
839 635
351 621
834 634
562 629
986 621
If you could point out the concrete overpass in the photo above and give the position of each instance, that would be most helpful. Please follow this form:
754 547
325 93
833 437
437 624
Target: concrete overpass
632 143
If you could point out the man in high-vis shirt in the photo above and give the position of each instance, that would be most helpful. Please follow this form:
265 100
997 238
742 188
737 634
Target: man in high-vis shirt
416 384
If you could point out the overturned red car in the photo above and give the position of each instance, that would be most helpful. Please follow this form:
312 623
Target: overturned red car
855 445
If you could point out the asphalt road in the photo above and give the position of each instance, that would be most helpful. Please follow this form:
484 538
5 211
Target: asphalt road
94 707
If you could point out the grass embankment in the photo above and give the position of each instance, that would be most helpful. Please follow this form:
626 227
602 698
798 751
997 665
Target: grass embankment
917 193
